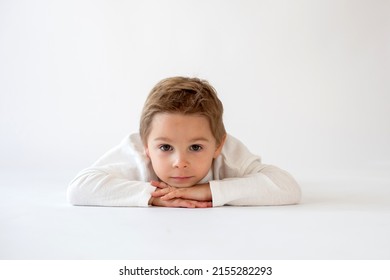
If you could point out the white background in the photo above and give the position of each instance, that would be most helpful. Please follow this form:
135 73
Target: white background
305 84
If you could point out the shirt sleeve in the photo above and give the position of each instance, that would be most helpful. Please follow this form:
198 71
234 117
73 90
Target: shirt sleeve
242 180
270 186
118 178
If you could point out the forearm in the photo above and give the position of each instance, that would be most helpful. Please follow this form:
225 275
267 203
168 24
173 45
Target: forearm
272 186
96 187
199 192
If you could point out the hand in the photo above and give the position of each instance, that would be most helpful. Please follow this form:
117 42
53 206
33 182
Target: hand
178 202
169 196
166 192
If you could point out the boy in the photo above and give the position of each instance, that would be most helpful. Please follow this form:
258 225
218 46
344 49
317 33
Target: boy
182 157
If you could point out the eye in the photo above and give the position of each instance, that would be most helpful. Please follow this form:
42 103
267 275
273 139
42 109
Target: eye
195 148
166 148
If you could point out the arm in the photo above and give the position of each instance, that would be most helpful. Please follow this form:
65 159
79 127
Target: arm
119 178
96 187
269 186
240 178
104 188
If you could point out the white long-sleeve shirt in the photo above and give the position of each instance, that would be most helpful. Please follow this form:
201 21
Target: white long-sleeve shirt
121 177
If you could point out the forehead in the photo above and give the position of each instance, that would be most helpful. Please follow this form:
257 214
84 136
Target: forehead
179 127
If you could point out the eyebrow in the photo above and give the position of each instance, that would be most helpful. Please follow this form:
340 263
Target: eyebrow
197 139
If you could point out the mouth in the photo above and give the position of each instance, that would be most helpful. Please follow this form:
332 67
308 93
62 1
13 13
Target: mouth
181 178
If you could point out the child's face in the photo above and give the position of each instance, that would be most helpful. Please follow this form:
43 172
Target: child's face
181 148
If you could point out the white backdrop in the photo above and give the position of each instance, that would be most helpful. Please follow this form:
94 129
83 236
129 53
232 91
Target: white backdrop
305 83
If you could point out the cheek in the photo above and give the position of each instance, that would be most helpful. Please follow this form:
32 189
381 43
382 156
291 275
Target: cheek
158 162
205 162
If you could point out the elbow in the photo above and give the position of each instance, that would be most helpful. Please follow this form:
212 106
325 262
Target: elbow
72 194
76 192
82 190
295 195
290 193
286 197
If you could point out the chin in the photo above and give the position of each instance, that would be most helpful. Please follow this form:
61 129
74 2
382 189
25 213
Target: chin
182 185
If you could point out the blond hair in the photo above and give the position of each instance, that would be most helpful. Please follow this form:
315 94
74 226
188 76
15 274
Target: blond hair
186 96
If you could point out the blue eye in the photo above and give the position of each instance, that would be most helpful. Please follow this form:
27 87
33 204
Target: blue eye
166 148
195 148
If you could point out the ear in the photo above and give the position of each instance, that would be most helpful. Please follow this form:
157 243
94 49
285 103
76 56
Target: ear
147 151
219 148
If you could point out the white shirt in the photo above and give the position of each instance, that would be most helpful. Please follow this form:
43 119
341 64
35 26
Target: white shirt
121 177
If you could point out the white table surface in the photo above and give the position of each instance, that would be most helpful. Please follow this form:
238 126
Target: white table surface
336 220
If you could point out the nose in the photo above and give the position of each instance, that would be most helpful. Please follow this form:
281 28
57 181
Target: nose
180 161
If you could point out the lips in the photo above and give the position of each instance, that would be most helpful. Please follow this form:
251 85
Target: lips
181 177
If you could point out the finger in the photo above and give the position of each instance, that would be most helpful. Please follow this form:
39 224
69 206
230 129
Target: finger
182 203
155 184
209 204
204 204
172 194
193 203
160 192
160 185
189 203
